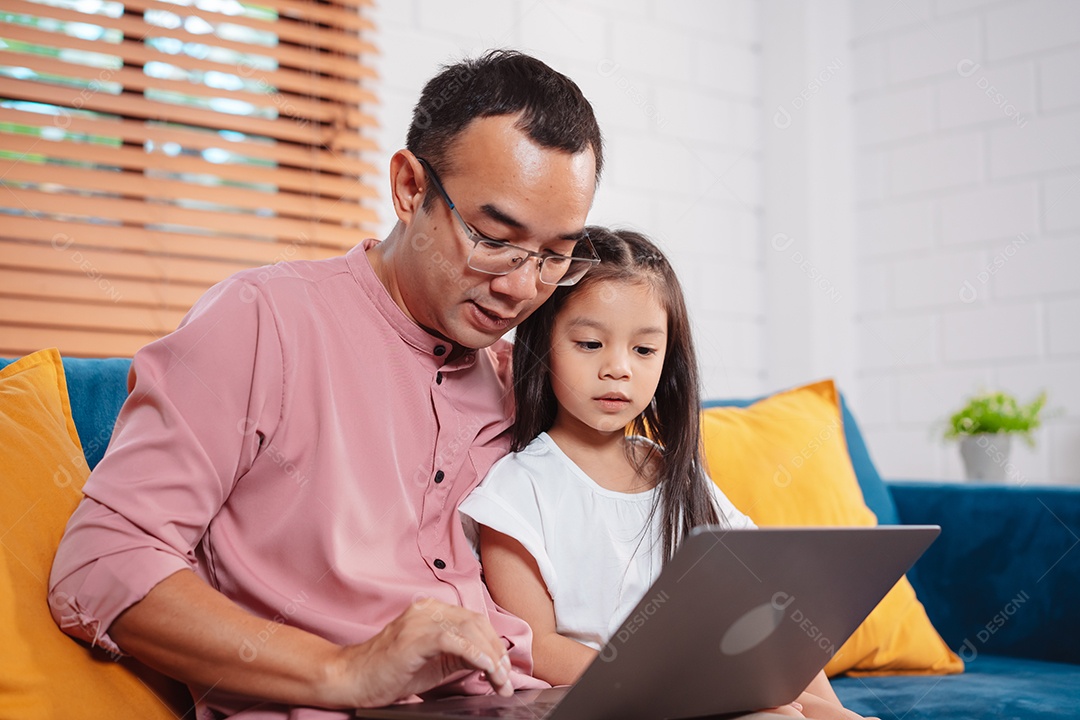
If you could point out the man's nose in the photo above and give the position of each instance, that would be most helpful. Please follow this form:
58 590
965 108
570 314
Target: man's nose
521 283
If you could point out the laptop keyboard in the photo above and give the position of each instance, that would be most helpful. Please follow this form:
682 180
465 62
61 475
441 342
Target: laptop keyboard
529 711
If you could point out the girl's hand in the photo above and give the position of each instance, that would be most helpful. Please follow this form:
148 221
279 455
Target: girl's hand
793 709
817 708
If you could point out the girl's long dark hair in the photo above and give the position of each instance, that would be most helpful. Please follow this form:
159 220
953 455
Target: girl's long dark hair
672 420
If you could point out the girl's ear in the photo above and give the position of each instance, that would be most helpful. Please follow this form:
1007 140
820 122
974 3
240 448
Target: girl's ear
407 183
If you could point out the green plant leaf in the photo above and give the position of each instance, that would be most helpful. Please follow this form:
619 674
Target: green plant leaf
997 412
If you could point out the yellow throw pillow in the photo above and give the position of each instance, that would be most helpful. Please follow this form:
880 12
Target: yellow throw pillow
784 461
45 674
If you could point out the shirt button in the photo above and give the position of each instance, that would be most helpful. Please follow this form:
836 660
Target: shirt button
438 378
439 475
440 350
439 564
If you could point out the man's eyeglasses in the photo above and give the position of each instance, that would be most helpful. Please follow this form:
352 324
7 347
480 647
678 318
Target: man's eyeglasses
496 257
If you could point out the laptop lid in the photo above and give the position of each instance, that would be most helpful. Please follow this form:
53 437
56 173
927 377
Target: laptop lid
738 620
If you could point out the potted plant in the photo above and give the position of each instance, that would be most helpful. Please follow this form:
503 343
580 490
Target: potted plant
985 426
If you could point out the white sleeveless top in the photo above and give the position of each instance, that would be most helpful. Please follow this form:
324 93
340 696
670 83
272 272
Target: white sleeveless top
598 550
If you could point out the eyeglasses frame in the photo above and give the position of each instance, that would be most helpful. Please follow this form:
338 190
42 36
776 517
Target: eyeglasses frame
477 237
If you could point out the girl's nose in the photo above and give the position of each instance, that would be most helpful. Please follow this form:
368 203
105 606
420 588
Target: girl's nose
616 365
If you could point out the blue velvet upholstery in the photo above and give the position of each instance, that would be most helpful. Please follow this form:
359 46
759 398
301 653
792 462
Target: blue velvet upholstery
1003 576
990 688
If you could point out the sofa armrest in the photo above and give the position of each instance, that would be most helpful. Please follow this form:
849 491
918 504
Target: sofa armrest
1002 577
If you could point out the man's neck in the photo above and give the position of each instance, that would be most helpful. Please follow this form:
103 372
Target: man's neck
381 257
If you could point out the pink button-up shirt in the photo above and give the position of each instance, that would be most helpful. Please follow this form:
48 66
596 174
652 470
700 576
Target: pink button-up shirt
302 446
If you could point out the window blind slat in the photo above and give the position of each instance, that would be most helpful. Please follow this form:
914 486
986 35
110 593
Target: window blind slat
111 269
131 131
137 106
131 211
134 159
303 32
329 14
310 60
79 286
62 234
81 315
284 105
138 186
134 52
16 340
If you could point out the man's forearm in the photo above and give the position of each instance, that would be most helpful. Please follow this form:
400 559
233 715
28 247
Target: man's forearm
188 630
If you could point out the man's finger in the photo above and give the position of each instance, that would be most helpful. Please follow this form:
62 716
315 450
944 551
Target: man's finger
470 637
465 642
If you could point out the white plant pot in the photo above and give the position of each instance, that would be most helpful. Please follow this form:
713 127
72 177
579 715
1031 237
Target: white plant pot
986 456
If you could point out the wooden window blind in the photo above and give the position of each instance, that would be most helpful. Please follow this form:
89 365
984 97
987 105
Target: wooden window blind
150 148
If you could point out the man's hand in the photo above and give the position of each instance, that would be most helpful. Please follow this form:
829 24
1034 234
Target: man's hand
419 650
190 631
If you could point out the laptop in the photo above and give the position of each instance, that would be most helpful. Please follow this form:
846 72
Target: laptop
737 621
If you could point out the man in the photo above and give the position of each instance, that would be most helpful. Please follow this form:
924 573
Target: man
275 521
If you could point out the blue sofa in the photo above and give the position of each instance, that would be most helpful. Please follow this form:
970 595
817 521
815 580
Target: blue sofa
1000 583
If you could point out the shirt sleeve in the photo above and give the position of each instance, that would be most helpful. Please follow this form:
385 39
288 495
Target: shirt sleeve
506 501
729 514
202 401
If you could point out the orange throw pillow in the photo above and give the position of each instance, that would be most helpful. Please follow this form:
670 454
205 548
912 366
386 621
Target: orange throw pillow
45 674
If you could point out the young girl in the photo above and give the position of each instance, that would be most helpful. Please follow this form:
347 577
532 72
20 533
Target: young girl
606 474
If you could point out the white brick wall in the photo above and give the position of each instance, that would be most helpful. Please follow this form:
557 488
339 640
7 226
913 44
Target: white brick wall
957 269
968 134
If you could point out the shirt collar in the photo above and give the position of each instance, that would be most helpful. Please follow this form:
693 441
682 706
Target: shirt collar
426 344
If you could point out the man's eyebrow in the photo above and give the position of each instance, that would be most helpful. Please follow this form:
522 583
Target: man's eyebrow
502 218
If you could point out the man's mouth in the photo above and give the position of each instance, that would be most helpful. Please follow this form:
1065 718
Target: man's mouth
491 318
492 314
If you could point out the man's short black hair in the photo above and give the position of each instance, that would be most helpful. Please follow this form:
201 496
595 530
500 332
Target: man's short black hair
554 112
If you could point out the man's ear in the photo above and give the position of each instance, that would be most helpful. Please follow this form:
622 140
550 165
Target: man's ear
407 184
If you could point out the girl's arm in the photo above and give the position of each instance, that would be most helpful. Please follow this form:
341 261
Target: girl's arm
515 583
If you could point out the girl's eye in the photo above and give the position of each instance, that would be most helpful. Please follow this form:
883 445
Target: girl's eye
645 351
588 345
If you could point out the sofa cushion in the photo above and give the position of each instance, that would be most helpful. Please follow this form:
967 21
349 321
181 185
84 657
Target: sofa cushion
991 688
43 672
784 461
